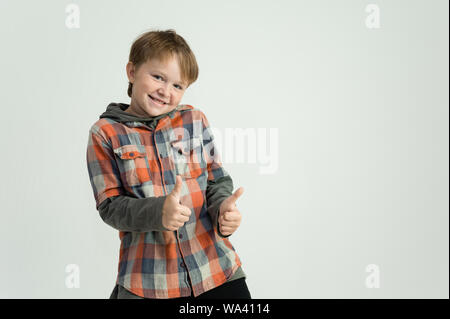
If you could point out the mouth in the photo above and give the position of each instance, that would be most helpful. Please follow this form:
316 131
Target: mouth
157 101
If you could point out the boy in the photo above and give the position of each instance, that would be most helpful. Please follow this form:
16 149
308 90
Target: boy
156 178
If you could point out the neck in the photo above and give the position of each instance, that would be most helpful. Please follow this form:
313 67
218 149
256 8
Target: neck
135 111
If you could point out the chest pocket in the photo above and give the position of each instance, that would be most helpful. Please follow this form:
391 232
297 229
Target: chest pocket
187 156
132 162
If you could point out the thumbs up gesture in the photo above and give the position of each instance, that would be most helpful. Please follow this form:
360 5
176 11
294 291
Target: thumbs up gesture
229 216
174 215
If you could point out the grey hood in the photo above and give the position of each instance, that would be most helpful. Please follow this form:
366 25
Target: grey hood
116 112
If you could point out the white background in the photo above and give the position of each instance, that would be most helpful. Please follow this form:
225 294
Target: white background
362 117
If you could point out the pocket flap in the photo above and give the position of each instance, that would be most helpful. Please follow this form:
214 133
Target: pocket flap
130 151
186 146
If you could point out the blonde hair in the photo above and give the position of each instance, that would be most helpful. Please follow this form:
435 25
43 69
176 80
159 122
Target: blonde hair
163 45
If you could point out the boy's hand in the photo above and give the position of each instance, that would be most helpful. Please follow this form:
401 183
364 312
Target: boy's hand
229 216
174 215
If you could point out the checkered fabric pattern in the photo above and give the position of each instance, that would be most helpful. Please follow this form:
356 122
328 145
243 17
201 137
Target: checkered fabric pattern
133 160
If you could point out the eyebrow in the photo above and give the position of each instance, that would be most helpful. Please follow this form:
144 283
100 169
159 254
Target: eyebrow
158 71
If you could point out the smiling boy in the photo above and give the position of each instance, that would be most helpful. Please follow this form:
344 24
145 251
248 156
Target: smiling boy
157 178
152 95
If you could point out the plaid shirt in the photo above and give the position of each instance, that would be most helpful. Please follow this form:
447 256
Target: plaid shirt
136 161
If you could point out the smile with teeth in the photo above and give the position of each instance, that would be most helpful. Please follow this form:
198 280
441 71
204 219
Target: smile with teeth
156 100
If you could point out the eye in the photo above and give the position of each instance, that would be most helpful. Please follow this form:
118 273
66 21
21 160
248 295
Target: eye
176 85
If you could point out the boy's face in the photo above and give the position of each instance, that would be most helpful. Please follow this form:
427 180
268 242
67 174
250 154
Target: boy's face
155 80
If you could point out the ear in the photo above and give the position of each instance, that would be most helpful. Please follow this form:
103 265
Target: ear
130 71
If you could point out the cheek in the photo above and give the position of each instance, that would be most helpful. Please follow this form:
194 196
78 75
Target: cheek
177 98
137 86
144 84
147 86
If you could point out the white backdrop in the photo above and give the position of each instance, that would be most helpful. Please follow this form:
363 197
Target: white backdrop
353 96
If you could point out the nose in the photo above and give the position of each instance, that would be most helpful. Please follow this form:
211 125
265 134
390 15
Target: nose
164 90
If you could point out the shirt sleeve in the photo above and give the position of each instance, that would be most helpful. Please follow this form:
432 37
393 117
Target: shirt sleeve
216 192
127 213
103 171
220 183
124 213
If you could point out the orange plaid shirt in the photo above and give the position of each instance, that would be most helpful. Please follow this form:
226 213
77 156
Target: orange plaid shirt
132 159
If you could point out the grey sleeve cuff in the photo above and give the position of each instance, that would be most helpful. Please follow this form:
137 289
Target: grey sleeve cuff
131 214
218 228
216 192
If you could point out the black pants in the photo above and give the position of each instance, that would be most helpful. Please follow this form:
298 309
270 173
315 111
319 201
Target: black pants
235 289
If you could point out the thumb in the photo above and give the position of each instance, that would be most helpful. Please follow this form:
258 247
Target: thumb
176 192
234 197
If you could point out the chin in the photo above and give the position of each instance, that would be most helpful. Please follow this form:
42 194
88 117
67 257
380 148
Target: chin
155 112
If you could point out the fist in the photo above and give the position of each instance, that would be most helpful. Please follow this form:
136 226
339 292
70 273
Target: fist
229 216
174 215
